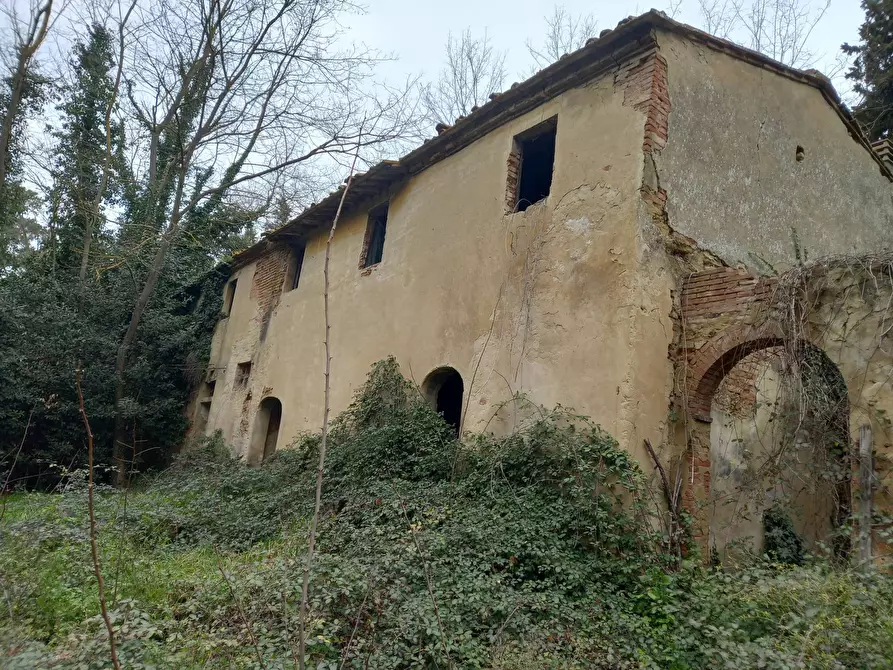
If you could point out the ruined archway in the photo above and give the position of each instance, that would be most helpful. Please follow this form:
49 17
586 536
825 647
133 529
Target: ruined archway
444 389
770 436
265 435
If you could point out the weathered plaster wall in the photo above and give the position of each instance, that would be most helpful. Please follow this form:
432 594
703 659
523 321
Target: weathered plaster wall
561 301
731 172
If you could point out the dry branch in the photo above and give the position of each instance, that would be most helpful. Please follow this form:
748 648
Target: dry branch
97 570
311 540
26 46
94 211
671 494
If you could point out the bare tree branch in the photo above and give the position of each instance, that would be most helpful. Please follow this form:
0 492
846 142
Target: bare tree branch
243 94
564 33
94 214
27 42
474 70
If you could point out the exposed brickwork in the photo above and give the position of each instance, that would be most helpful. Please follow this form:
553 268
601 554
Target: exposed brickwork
269 277
364 252
644 82
718 307
513 170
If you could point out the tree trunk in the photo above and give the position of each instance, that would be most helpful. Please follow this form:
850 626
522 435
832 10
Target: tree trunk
127 341
27 48
85 254
9 118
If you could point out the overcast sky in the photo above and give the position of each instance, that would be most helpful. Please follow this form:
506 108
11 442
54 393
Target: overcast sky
416 30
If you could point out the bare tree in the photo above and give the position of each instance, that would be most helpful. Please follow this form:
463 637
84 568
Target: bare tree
28 33
781 29
673 8
564 33
231 98
474 70
323 440
718 17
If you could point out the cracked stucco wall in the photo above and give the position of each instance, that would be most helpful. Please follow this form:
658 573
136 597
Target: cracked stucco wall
564 301
731 173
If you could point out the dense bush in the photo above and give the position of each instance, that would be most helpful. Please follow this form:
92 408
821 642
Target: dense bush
526 551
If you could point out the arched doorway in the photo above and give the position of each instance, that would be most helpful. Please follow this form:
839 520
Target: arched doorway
444 389
266 430
772 427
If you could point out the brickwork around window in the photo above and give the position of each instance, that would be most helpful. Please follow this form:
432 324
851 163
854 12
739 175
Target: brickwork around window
513 169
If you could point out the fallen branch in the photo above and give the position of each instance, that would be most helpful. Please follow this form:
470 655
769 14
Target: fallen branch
314 522
97 570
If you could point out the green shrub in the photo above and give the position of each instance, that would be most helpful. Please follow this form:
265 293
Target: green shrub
535 549
783 544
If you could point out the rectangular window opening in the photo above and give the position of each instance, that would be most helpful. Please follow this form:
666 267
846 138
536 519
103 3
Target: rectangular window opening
535 154
296 262
376 227
229 295
208 391
243 371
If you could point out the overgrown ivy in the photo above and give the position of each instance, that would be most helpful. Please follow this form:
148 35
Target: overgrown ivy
539 547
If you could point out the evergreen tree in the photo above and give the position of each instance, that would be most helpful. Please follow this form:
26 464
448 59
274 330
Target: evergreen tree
81 151
17 227
872 70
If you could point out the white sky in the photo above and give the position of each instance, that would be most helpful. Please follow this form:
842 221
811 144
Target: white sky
416 30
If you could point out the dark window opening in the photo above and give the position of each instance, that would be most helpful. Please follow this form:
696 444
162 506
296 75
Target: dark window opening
536 150
208 390
229 295
243 371
296 262
444 389
375 234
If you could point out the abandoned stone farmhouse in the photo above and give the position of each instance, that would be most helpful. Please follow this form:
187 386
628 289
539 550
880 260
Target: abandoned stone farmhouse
613 234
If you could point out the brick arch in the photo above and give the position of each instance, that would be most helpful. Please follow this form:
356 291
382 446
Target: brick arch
716 358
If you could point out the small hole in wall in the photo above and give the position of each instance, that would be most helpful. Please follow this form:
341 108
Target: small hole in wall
801 154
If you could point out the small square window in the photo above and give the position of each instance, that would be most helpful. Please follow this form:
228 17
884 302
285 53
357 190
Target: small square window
296 262
229 295
531 164
243 372
376 227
